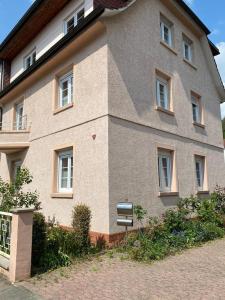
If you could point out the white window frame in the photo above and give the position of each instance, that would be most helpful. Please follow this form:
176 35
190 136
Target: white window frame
16 167
165 84
189 44
69 79
201 162
62 155
30 56
74 17
196 102
19 119
164 25
168 156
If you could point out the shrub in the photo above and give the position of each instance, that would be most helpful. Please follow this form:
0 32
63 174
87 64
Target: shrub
39 238
219 198
81 219
193 222
12 195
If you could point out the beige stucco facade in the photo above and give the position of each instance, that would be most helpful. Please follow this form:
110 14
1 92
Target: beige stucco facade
113 125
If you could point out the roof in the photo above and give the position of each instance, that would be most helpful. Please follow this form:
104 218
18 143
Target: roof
42 11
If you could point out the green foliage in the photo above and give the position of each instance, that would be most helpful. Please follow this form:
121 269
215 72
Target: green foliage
57 245
140 212
39 238
81 221
12 195
192 223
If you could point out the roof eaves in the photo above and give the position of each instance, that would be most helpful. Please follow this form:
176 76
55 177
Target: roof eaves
61 44
193 16
21 22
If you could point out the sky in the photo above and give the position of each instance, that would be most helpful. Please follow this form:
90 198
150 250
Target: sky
211 12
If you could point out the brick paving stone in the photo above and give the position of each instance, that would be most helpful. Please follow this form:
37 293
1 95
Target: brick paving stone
197 274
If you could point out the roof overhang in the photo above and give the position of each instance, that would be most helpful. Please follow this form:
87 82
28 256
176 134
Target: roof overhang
52 52
34 20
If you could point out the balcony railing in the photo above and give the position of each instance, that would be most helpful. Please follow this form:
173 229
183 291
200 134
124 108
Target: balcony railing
18 125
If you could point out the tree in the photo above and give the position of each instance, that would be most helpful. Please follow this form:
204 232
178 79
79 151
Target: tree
13 196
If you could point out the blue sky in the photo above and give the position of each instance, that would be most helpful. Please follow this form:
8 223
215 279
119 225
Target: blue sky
211 12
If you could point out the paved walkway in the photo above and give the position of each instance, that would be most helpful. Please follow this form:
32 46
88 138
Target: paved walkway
195 274
12 292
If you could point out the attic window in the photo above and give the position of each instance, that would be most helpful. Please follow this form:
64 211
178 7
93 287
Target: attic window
74 19
30 59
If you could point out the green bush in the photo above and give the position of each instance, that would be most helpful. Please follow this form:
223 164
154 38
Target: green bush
39 238
12 195
52 260
81 219
192 223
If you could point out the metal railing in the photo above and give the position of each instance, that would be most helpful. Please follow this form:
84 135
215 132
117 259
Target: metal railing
18 125
5 233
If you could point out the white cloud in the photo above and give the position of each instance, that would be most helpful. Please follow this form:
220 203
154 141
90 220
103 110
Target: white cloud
220 60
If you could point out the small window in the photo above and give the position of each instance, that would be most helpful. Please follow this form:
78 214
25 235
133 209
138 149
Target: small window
162 93
74 19
30 59
166 28
200 172
16 168
187 49
19 123
65 171
196 109
165 162
66 89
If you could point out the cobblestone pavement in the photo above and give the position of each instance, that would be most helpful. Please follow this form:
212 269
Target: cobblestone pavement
195 274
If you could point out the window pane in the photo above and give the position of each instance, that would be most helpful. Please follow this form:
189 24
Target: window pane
70 24
164 165
63 183
198 174
80 15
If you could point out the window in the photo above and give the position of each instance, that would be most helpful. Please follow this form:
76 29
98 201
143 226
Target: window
19 117
75 19
16 168
162 93
166 28
196 109
65 171
66 89
165 161
187 49
30 59
200 172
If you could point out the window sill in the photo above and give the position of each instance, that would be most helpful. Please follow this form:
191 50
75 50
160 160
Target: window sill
199 125
166 111
190 63
14 131
168 47
202 193
62 195
60 109
168 194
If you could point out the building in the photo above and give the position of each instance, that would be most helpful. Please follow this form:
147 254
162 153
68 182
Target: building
108 100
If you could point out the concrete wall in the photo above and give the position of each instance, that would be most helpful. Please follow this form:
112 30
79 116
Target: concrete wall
49 36
85 126
114 73
134 53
